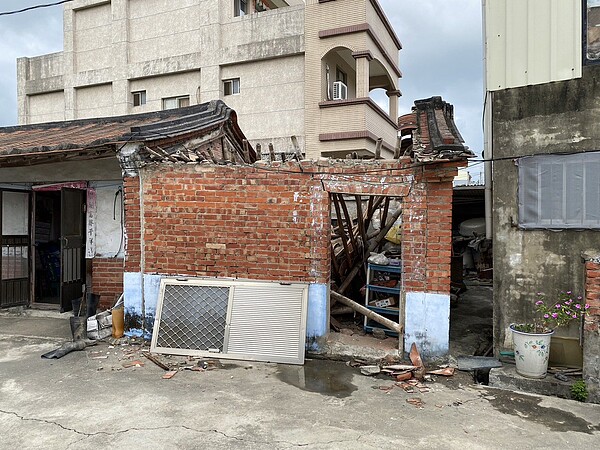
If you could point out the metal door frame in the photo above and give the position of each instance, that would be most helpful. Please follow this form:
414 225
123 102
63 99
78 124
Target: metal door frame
27 242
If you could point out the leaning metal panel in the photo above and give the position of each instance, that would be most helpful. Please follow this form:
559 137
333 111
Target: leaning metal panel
193 317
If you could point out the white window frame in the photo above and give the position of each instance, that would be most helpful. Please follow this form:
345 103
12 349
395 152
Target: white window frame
233 84
559 191
240 7
179 102
140 96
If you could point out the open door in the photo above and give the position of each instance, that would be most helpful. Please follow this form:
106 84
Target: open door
14 248
72 246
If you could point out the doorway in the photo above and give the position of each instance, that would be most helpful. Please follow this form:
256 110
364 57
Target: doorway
59 244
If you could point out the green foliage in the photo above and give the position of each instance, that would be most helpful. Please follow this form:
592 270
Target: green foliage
579 391
559 312
553 313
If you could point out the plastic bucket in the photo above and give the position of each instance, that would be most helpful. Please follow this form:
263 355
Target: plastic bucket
118 322
78 327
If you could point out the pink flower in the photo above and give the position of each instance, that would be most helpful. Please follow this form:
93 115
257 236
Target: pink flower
587 306
554 315
579 298
546 316
569 292
578 306
539 302
558 306
574 316
568 302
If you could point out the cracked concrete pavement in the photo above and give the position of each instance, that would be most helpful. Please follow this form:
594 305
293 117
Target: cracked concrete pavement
86 400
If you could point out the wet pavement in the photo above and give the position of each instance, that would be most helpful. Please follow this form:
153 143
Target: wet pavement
110 396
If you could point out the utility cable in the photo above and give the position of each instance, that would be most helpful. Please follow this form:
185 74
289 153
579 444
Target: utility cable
29 8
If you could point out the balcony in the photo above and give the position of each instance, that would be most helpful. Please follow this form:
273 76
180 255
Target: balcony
359 106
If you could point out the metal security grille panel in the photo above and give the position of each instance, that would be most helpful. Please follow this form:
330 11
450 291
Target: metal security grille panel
193 317
259 321
266 323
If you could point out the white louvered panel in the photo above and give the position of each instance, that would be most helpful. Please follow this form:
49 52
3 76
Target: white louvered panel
267 322
531 42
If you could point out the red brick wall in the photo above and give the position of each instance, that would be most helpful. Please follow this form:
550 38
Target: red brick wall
273 222
107 279
131 189
234 221
427 230
592 295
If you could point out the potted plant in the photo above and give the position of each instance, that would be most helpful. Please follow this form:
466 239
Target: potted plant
532 340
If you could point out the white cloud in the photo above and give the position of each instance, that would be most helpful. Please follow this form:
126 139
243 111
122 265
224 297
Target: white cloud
27 34
442 55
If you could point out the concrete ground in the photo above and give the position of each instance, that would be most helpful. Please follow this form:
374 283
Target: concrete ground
88 399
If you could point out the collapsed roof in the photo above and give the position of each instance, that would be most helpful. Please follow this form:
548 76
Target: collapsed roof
164 135
429 132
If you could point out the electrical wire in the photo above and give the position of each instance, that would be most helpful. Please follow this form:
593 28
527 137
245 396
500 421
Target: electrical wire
47 5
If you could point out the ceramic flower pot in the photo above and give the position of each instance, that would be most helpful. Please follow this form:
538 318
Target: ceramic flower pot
532 351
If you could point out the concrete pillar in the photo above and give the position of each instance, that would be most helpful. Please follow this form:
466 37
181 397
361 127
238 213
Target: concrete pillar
122 101
362 73
393 104
22 99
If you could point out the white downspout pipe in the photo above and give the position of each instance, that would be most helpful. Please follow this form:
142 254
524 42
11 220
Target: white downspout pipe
487 135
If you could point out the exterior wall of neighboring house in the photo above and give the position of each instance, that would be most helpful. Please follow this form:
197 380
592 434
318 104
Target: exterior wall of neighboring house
104 242
358 37
542 101
533 120
272 222
189 48
531 42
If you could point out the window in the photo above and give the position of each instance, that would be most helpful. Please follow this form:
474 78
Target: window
139 98
340 75
592 31
560 191
176 102
231 87
240 7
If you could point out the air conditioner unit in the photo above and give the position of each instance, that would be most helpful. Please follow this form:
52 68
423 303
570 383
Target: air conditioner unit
340 91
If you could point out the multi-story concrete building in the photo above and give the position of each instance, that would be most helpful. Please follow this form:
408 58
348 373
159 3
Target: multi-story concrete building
289 68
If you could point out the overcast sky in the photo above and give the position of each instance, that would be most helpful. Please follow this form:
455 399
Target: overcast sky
442 54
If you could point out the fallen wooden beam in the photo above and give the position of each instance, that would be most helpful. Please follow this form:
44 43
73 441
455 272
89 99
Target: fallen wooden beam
339 310
367 312
372 247
156 361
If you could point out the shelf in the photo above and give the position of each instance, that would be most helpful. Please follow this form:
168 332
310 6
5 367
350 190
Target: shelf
390 269
374 291
369 329
387 290
387 310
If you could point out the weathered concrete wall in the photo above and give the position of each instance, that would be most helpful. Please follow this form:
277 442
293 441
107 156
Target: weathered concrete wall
48 107
94 101
97 169
273 90
556 117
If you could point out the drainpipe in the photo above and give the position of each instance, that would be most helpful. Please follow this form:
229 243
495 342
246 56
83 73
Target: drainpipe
487 145
142 249
487 133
